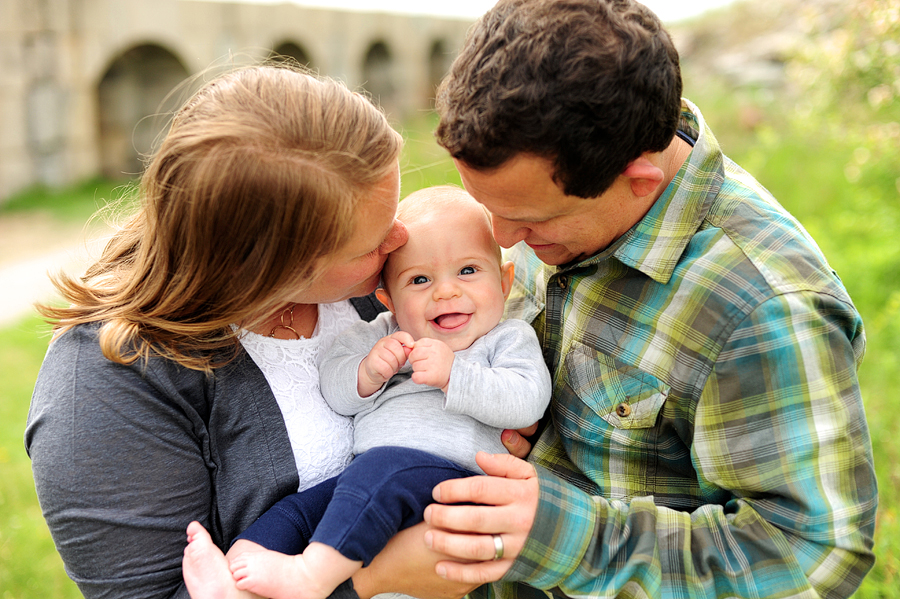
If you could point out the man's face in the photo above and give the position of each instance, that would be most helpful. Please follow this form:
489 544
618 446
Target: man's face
446 282
527 205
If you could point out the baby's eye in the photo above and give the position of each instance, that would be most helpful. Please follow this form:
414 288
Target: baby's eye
467 270
419 280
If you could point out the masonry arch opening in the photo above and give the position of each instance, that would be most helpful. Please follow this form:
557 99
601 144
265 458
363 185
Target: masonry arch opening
135 101
439 60
291 52
379 77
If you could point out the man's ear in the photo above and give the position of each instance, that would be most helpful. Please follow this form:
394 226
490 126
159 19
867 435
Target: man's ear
384 298
507 274
644 176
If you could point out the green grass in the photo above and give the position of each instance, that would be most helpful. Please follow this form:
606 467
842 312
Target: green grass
424 163
73 204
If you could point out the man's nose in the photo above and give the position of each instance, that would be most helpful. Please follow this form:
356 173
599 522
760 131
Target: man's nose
507 233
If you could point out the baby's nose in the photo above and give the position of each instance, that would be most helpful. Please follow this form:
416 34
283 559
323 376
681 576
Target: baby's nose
446 288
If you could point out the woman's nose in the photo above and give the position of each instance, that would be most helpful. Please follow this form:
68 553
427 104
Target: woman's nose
397 236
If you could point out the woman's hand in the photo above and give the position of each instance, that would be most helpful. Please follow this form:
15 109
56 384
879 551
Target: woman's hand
508 499
407 566
516 443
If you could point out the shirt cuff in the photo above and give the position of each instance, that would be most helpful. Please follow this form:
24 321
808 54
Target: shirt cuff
564 526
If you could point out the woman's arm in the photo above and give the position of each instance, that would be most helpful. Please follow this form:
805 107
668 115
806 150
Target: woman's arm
118 468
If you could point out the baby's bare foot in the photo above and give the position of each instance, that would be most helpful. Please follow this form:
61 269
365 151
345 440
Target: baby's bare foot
279 576
205 568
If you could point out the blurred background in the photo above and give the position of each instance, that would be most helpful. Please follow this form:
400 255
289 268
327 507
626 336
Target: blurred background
805 94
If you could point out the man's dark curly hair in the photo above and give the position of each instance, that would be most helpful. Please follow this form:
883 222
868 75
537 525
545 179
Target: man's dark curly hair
588 84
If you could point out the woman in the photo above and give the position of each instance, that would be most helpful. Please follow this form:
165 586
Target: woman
181 384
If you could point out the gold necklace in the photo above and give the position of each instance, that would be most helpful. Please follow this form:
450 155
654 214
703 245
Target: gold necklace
287 320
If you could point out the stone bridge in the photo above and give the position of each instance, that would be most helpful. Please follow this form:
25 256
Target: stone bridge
86 85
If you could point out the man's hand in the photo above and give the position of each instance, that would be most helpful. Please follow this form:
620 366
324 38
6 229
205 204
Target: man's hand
383 361
431 361
407 566
508 499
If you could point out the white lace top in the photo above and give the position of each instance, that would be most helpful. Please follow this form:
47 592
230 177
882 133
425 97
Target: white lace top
322 440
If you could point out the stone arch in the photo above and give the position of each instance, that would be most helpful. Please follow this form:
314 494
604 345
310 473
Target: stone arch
439 61
379 78
135 103
291 50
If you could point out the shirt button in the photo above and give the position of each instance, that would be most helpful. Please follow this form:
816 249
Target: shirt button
563 282
623 410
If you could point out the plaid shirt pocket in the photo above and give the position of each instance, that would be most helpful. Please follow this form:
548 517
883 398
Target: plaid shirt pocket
622 395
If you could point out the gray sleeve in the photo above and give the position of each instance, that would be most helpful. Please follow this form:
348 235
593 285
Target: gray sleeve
510 388
119 470
339 369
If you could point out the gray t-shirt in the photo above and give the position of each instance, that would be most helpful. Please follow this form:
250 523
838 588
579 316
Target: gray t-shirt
498 382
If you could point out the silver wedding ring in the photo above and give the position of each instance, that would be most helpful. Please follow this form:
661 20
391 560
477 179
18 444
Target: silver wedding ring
498 547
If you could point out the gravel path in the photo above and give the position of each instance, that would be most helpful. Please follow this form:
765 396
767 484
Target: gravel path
33 244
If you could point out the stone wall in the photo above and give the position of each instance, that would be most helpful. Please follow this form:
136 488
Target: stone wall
85 84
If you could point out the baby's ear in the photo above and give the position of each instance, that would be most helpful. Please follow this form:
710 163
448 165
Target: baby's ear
384 298
507 274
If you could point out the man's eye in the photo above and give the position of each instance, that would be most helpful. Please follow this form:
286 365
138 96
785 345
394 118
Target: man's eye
467 270
419 280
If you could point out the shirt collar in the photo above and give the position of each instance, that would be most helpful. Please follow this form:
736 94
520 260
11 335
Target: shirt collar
655 244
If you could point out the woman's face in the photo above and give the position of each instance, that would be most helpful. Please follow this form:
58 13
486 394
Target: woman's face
356 269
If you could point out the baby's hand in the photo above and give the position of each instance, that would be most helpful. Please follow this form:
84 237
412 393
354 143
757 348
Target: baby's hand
431 360
383 361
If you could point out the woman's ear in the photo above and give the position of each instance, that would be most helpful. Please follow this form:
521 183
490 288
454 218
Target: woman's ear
507 274
383 297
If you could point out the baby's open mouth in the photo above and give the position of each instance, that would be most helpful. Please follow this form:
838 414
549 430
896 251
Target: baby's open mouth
451 321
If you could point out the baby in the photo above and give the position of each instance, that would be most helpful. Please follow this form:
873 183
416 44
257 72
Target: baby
429 383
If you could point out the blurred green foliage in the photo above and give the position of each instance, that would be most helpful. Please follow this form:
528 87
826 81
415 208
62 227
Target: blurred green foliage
424 163
826 145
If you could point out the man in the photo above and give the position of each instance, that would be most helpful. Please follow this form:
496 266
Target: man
706 434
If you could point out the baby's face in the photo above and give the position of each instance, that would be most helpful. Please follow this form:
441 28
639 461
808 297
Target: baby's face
447 283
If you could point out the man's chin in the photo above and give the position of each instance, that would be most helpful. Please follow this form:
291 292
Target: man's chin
553 257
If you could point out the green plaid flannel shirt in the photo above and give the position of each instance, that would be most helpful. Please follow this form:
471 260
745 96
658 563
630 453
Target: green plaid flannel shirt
708 437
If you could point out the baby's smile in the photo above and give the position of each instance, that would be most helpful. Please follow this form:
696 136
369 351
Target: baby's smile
452 320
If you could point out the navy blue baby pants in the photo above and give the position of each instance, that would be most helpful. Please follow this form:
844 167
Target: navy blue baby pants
382 491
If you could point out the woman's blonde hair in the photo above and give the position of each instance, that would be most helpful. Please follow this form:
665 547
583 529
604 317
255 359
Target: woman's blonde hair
257 183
